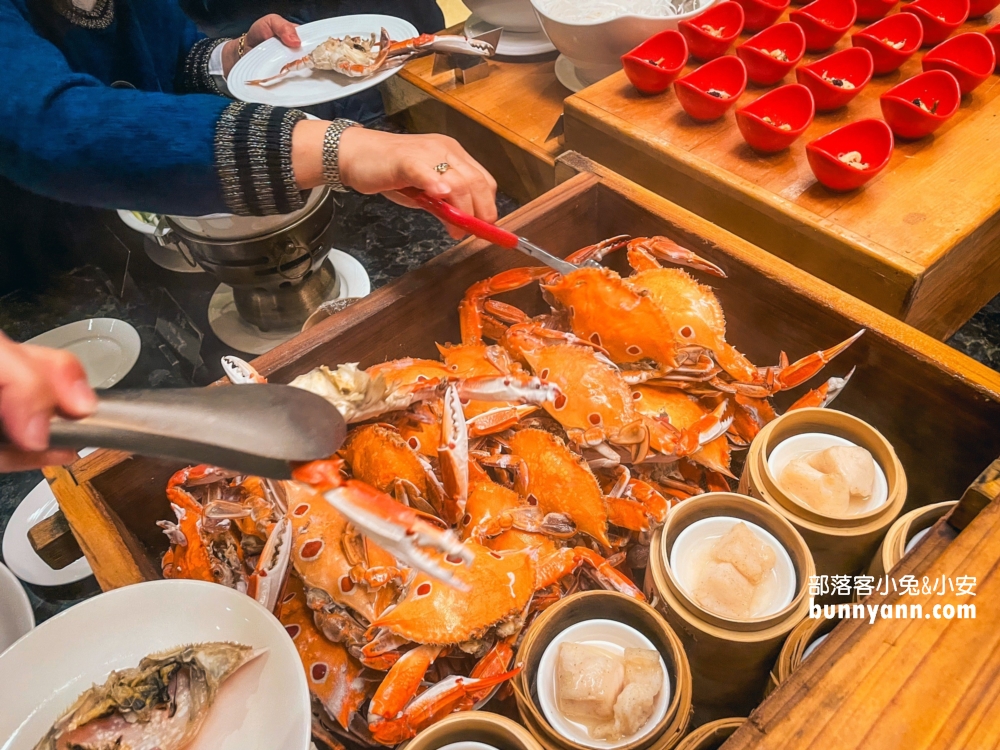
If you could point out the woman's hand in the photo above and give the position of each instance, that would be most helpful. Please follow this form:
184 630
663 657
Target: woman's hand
263 29
36 383
375 162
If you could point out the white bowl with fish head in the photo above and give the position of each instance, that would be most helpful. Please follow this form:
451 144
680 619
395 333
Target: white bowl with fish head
264 704
514 15
595 47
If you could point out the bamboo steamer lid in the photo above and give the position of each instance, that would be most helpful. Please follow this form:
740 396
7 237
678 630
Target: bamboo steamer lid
474 726
730 660
609 605
840 545
711 736
893 547
792 652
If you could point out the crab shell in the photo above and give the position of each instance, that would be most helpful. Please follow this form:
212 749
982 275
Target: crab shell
499 585
378 455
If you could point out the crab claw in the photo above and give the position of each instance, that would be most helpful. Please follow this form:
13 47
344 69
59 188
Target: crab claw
398 530
240 372
268 579
448 44
799 372
822 397
666 249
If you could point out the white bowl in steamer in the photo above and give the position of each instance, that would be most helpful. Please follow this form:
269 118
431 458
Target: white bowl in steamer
513 15
809 442
610 635
717 526
595 47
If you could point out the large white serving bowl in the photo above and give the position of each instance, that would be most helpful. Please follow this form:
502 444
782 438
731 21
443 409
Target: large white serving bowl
16 617
595 48
514 15
263 705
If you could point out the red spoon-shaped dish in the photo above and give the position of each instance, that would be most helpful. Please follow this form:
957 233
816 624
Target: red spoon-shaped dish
654 64
772 53
824 22
993 34
706 93
848 157
759 14
872 10
773 121
938 17
837 78
710 34
892 41
969 57
979 8
920 105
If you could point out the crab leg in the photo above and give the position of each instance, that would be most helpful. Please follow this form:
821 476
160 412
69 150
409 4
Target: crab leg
453 456
497 420
303 63
402 682
557 566
825 394
268 579
471 310
444 44
799 372
642 250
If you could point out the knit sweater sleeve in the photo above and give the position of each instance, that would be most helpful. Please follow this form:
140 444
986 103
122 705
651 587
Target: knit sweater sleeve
67 136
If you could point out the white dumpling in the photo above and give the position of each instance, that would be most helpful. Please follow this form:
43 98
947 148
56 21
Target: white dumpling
854 463
643 682
722 589
751 556
588 681
825 493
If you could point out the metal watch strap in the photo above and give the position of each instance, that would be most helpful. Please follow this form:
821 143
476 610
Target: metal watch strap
331 154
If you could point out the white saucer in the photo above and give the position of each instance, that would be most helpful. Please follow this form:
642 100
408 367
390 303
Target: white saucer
568 76
234 331
263 705
512 43
307 87
106 347
16 617
915 540
813 646
18 553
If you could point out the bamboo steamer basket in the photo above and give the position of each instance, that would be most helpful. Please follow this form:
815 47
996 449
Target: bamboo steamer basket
609 605
474 726
841 545
801 637
730 660
893 547
711 736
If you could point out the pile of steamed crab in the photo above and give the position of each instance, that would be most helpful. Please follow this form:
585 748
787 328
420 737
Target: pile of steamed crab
533 459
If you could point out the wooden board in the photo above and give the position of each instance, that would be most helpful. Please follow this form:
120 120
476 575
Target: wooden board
918 242
938 407
507 121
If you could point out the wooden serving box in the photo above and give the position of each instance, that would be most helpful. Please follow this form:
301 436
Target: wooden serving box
917 242
509 121
939 408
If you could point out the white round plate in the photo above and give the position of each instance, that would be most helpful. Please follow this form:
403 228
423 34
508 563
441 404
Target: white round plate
134 222
717 527
613 636
106 347
16 617
264 705
234 331
18 553
512 43
813 646
809 442
467 745
307 87
567 75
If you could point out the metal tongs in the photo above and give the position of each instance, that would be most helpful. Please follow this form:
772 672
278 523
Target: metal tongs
490 232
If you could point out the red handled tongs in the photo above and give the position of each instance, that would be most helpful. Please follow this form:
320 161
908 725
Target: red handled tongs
490 232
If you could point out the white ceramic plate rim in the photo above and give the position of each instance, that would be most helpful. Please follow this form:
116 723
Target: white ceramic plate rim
813 646
134 222
623 16
18 603
331 87
512 43
111 329
704 526
74 673
786 450
547 687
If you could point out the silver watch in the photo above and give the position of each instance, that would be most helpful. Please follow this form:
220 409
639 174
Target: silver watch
331 153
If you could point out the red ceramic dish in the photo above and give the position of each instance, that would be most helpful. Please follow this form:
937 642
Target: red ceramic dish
654 64
824 22
938 17
871 140
936 89
724 75
771 122
993 34
979 8
881 36
872 10
762 66
837 78
725 19
969 57
759 14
